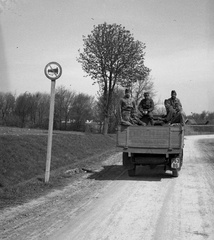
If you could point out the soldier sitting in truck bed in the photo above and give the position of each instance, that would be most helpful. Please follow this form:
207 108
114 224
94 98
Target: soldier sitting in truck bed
145 107
174 110
127 111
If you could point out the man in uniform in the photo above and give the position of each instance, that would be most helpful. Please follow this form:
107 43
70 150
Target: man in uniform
128 114
174 110
145 107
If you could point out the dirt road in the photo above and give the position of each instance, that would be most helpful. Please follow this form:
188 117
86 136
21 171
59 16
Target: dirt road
110 205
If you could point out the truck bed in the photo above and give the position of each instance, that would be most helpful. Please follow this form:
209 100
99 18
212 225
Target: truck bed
150 139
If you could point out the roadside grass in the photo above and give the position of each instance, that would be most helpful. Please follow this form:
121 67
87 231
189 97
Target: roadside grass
23 160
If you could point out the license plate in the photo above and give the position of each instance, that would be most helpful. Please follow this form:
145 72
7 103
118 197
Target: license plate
175 163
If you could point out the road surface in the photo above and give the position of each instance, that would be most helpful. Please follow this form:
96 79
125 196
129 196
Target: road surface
151 206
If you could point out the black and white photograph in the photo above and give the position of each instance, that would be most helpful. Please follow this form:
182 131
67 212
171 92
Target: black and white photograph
106 119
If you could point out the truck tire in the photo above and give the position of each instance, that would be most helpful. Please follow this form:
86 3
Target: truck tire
181 156
131 172
175 173
126 159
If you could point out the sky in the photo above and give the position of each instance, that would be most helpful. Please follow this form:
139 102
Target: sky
178 34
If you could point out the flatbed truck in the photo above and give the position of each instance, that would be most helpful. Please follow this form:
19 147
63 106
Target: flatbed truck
151 145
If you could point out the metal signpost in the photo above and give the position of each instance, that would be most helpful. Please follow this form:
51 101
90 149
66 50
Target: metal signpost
52 71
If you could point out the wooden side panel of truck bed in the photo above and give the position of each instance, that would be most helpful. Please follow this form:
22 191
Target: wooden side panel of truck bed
158 137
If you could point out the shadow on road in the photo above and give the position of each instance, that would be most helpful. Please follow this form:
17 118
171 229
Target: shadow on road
143 173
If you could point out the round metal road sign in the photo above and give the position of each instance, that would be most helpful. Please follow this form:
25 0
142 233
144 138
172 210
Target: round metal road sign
53 70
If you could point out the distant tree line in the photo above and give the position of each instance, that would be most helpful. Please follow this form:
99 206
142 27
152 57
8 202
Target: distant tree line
72 110
32 110
203 118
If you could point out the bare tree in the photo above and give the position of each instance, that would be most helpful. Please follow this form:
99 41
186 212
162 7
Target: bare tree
141 86
82 110
7 105
43 104
63 103
23 107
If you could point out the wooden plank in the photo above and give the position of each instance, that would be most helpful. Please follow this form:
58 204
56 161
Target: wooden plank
150 137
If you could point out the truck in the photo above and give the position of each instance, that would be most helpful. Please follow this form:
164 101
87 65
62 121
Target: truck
151 145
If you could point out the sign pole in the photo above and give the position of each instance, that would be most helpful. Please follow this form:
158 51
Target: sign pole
50 132
53 71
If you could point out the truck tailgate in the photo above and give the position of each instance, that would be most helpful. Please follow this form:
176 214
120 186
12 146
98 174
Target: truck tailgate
158 137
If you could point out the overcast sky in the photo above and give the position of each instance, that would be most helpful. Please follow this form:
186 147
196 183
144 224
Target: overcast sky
179 38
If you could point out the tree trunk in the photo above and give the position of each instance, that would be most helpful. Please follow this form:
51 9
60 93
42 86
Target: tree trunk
105 125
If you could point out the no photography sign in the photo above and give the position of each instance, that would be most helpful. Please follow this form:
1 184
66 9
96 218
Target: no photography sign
53 70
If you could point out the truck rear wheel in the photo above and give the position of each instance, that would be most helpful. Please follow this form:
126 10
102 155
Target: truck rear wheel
181 157
175 173
126 159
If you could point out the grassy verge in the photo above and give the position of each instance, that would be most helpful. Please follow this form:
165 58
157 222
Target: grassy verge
23 160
